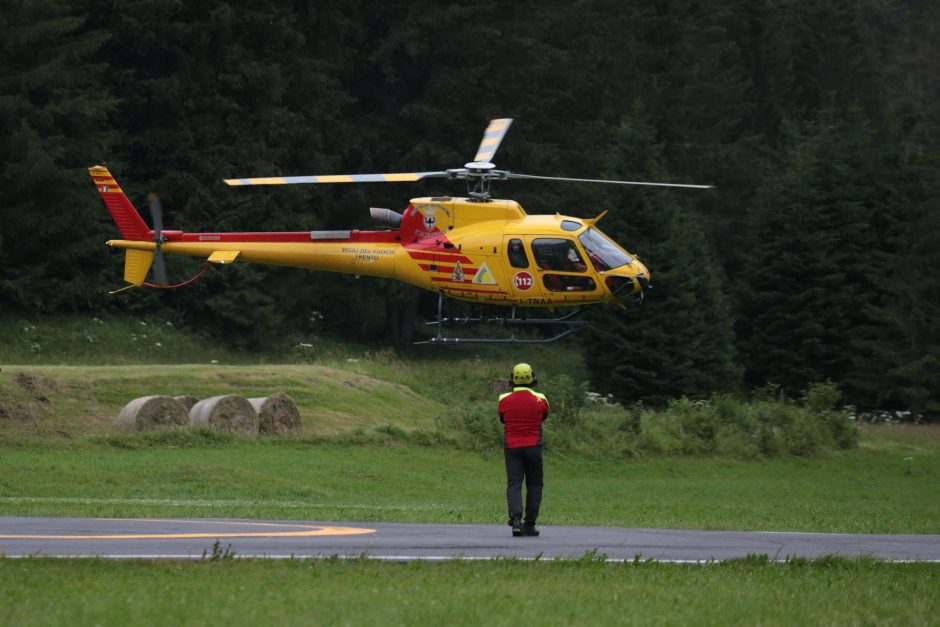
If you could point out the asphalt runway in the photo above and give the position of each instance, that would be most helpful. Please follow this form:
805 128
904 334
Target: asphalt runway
199 538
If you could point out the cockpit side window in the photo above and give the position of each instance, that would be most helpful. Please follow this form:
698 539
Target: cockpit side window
555 253
517 256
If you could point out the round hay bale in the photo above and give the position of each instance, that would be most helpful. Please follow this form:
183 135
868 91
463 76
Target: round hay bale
277 415
151 413
230 413
187 402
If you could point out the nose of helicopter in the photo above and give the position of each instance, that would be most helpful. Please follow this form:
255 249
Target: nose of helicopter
631 279
642 275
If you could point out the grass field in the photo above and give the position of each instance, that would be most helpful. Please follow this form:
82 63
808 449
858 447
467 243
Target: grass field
369 453
357 461
882 487
504 592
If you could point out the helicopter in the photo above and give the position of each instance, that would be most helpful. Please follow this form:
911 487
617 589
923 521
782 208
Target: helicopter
476 248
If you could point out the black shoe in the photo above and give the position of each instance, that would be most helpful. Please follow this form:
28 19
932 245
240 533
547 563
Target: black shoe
528 529
516 523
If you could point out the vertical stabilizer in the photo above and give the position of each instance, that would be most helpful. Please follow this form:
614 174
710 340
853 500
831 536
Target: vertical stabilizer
128 221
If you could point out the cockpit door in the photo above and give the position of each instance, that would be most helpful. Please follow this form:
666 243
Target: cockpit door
519 267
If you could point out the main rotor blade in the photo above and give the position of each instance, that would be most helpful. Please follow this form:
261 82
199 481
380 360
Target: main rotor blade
403 177
492 137
511 175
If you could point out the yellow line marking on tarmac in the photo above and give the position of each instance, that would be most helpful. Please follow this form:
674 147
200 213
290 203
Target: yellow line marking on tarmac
301 531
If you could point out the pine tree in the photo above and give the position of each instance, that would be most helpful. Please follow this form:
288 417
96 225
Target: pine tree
679 342
54 120
227 90
897 364
807 280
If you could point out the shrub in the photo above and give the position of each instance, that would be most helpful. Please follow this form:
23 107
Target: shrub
567 398
655 436
475 426
768 426
821 399
734 443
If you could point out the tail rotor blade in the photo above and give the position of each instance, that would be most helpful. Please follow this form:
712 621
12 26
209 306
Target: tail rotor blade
156 214
492 137
159 268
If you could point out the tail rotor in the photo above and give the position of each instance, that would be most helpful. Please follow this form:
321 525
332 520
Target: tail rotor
156 214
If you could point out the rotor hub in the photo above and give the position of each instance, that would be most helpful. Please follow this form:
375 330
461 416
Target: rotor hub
479 166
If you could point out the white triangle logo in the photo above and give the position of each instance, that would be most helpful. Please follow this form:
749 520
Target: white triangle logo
484 276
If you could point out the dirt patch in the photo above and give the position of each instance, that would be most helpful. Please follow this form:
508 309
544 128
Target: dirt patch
362 381
30 385
21 405
17 412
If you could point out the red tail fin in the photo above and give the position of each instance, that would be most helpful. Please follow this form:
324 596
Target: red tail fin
128 221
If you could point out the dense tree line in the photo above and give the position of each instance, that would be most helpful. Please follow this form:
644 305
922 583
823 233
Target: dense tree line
812 259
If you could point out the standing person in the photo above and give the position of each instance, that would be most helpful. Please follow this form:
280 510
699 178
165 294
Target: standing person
522 412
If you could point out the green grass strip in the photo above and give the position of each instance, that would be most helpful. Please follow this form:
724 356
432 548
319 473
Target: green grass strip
503 592
857 491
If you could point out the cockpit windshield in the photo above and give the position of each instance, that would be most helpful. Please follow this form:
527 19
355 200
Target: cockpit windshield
602 252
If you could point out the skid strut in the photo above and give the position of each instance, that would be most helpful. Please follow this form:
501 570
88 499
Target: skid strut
513 322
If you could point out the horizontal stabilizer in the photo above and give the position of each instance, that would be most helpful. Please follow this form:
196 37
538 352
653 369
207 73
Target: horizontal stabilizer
223 256
137 265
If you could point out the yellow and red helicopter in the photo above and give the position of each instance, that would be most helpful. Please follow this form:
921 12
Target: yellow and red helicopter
476 248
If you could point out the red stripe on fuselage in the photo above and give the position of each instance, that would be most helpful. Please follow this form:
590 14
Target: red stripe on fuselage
444 255
447 269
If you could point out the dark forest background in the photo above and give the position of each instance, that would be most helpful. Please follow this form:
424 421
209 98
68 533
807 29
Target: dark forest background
817 121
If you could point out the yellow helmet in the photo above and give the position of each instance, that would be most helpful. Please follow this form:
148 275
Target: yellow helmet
522 374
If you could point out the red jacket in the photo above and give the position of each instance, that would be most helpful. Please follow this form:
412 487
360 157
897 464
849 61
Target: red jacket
522 412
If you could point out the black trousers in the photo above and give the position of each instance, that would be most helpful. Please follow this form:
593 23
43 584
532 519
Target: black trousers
524 463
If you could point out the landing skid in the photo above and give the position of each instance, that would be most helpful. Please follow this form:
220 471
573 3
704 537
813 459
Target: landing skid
512 322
